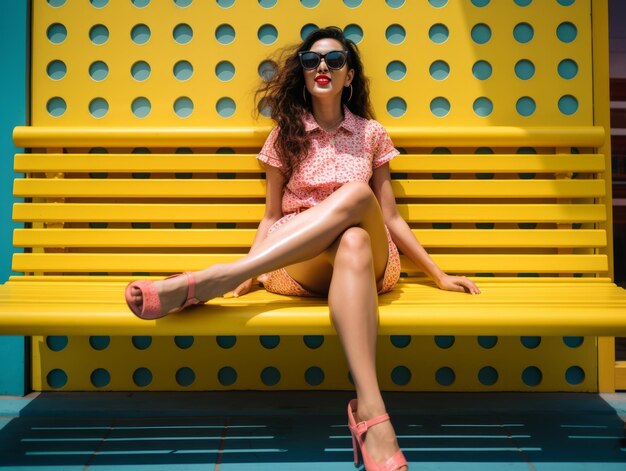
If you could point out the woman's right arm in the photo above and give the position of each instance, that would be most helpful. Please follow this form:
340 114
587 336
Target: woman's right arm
275 182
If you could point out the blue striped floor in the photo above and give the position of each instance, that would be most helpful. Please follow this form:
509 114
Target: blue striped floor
236 431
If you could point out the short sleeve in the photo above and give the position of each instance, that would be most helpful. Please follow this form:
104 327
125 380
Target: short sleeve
268 154
382 147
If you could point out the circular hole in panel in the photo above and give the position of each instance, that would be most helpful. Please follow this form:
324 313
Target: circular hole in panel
308 29
314 376
566 3
98 107
267 70
396 70
56 70
141 107
100 378
98 71
226 341
444 341
225 3
140 71
487 341
482 70
310 3
480 3
267 3
568 105
439 70
267 34
99 3
225 71
395 34
394 3
481 33
525 106
354 33
182 33
532 376
140 34
438 33
225 107
269 341
396 107
141 342
574 375
141 3
56 378
524 69
225 34
313 341
56 106
445 376
184 341
183 107
566 32
56 33
56 343
227 376
400 341
440 107
523 3
573 342
352 3
182 3
401 375
530 341
142 377
185 376
99 34
183 70
483 106
270 376
488 376
99 342
438 3
523 33
264 108
56 3
568 69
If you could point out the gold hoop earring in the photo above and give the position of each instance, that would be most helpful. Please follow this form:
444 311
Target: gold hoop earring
350 97
304 93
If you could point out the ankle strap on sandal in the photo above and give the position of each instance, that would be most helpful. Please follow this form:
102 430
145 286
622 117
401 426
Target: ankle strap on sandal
362 427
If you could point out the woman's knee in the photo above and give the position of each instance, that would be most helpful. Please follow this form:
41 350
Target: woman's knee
357 197
354 248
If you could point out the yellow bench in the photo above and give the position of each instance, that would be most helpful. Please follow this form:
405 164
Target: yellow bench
526 217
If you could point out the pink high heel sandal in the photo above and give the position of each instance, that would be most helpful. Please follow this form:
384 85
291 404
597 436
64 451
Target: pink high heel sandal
151 306
358 430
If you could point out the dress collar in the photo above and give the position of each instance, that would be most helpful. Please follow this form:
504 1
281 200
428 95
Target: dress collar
349 121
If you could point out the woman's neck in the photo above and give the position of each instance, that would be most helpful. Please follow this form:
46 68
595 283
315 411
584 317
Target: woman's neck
327 114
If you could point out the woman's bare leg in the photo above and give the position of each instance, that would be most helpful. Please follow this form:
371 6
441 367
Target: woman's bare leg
305 236
353 303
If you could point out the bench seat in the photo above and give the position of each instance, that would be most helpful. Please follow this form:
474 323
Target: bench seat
415 307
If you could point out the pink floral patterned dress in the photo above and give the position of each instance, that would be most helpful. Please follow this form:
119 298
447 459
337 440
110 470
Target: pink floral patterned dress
349 154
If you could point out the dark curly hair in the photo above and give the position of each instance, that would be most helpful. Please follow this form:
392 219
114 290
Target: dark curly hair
283 94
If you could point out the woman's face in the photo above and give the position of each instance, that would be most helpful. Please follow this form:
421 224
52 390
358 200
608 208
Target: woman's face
325 83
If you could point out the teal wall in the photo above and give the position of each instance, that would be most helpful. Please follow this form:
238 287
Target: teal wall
14 37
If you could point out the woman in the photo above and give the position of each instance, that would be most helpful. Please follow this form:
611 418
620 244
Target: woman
330 227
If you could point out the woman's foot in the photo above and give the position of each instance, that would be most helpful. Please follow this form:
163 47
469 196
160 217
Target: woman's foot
173 291
380 439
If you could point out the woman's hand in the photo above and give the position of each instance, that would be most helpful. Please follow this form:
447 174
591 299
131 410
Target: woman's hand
245 287
457 283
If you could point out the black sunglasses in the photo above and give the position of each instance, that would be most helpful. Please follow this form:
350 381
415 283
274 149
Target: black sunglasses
334 59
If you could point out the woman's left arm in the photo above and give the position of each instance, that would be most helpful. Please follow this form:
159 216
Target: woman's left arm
403 237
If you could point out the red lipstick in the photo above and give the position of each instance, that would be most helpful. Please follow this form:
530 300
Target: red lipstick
322 79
